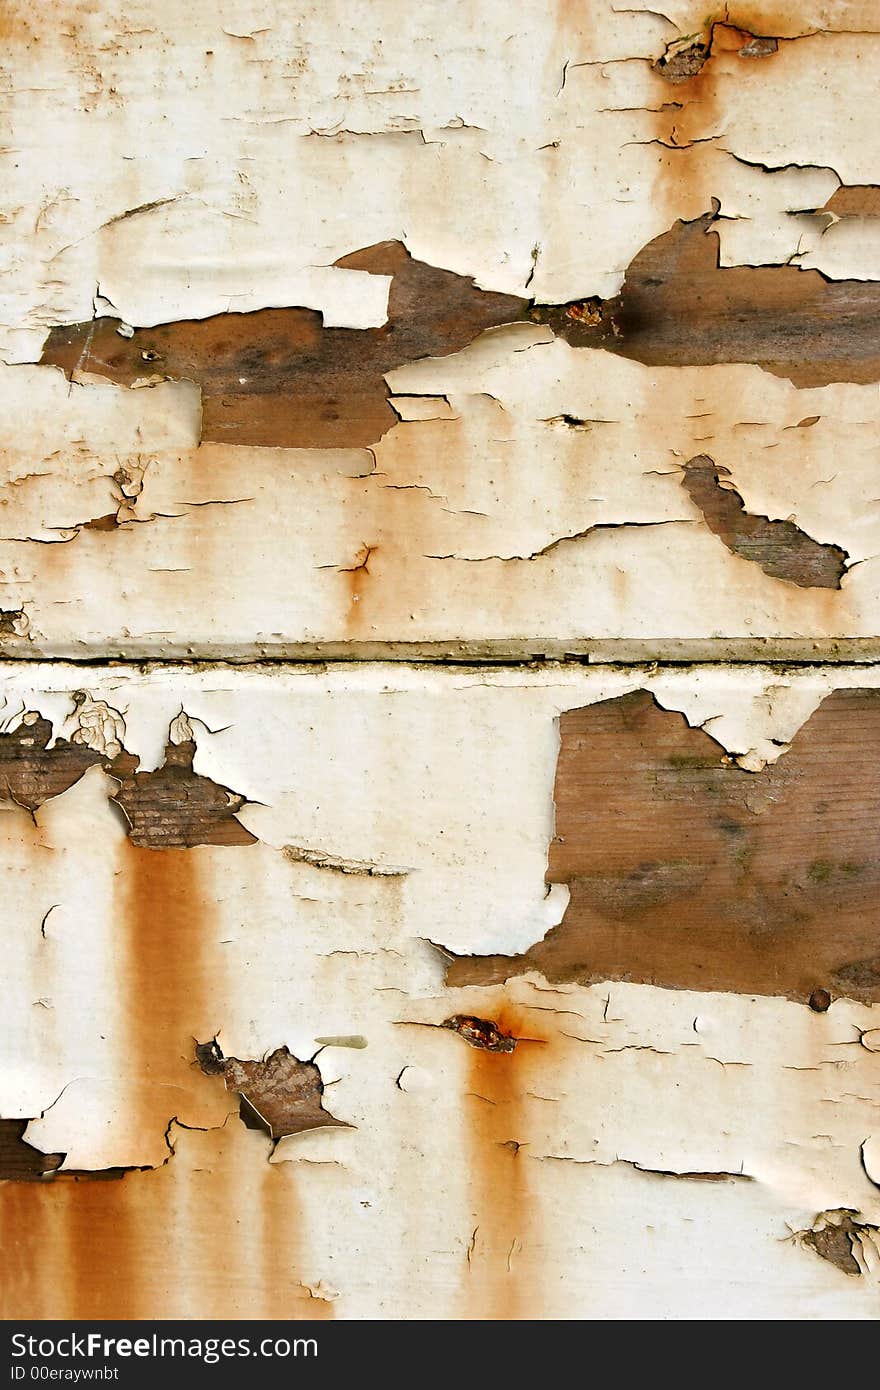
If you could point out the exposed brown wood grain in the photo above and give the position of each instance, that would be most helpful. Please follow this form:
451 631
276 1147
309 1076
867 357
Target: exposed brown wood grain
687 871
855 200
170 808
679 307
498 1078
175 808
781 548
837 1239
31 772
277 377
20 1161
280 1094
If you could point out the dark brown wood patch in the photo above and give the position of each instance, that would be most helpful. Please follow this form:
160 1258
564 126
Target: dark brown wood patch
837 1240
31 772
280 1094
20 1161
781 549
678 307
855 200
174 807
686 58
277 377
688 872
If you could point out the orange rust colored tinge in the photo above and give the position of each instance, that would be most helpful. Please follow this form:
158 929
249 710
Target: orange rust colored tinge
500 1058
161 898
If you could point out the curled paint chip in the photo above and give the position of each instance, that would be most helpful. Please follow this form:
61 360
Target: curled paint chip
280 1094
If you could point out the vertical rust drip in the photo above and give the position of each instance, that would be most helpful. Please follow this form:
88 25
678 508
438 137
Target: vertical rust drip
104 1260
104 1225
497 1286
160 899
283 1295
71 1248
27 1241
357 581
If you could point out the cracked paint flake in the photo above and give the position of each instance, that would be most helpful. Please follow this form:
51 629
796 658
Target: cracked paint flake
840 1237
367 574
187 226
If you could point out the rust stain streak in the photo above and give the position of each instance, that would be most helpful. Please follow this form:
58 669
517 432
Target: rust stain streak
74 1248
162 947
357 581
165 919
28 1236
282 1222
500 1283
214 1240
105 1228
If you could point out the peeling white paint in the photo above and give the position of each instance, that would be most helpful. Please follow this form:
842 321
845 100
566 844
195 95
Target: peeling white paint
655 1153
596 549
635 1078
475 139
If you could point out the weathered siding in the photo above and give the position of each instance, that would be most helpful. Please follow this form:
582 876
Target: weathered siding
537 346
688 1132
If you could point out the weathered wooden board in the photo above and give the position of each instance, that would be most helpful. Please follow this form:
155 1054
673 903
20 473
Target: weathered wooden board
390 273
542 499
588 1149
539 339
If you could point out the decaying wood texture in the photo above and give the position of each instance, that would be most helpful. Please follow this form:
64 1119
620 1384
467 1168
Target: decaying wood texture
279 1094
278 377
779 547
678 306
428 892
122 959
688 871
